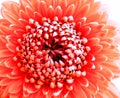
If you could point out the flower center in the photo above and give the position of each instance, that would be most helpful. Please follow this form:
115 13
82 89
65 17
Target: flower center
52 52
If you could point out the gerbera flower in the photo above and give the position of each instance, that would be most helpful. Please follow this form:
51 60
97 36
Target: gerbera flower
57 48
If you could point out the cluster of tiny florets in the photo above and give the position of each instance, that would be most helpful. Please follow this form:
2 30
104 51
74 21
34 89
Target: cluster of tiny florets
52 52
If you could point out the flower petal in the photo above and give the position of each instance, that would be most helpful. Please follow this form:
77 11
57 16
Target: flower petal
97 48
70 10
5 82
83 11
17 95
95 77
22 14
94 41
11 7
101 58
5 93
107 73
37 16
15 87
24 3
112 67
9 17
5 53
29 11
29 88
5 29
78 91
42 6
11 47
86 30
84 82
105 44
58 11
51 11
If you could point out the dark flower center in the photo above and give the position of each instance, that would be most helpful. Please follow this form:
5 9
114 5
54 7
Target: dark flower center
52 52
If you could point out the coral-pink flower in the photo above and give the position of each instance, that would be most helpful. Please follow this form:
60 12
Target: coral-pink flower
57 49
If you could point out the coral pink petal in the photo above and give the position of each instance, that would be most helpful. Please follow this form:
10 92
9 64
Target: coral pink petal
22 14
9 17
2 38
84 82
11 47
29 88
29 11
94 41
43 8
58 11
51 11
77 91
97 48
37 16
105 44
5 82
86 30
16 86
83 11
5 53
70 10
57 49
17 95
13 6
107 73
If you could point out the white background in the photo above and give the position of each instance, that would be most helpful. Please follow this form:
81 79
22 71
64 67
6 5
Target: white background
114 14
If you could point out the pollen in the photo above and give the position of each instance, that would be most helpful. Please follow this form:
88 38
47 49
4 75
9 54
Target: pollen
52 52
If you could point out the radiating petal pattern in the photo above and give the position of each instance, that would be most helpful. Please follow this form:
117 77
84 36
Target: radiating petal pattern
57 49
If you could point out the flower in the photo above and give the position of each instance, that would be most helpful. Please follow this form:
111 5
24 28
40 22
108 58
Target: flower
57 48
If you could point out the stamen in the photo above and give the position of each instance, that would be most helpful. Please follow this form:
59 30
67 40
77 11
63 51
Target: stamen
59 85
52 52
52 85
78 73
15 58
69 81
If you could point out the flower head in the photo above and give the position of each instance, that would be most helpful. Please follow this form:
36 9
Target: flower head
56 48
